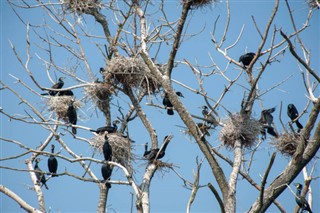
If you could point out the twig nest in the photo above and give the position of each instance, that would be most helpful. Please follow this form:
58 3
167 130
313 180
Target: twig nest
121 148
199 3
60 104
80 6
131 72
238 128
287 143
100 93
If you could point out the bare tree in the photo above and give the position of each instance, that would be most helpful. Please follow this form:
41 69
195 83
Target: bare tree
131 40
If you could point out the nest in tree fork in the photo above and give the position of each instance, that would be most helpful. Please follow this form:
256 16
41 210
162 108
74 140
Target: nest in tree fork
121 148
100 94
200 3
287 143
238 128
131 72
60 104
80 6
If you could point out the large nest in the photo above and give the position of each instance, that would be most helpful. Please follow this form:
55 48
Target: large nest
238 128
60 104
131 72
287 143
121 148
100 94
81 6
199 3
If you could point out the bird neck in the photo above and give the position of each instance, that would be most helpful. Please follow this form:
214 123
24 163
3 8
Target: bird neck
165 146
298 192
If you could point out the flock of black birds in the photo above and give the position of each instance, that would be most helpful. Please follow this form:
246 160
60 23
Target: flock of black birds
266 120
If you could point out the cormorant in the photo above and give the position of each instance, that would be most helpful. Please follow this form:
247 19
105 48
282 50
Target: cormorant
102 70
210 119
57 85
151 154
204 128
106 171
293 114
246 58
40 176
109 129
65 93
166 102
52 163
72 116
266 120
301 201
107 149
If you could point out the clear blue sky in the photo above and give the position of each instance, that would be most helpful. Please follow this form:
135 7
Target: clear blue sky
167 192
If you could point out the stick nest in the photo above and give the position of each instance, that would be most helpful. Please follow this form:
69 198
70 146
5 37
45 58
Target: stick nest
100 94
60 104
81 6
199 3
238 128
131 72
121 148
287 143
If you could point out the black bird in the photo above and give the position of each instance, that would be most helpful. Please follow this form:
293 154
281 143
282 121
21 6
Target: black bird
107 149
57 85
102 70
210 119
40 176
293 114
301 201
52 163
72 116
266 120
246 58
65 93
106 171
166 102
151 154
109 129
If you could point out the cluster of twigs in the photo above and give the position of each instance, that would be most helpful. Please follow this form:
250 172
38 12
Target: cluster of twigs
100 93
238 128
200 3
60 104
131 72
314 4
121 148
287 143
80 6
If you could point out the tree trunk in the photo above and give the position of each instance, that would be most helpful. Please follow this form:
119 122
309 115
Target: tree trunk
102 198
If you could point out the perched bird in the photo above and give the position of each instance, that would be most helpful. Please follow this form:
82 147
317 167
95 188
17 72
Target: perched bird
72 116
210 119
65 93
109 129
152 154
166 102
106 171
301 201
57 85
107 149
102 70
204 128
40 176
266 120
52 163
293 114
246 58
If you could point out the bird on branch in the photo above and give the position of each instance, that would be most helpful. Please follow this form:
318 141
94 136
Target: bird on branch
109 129
167 103
39 174
57 85
209 118
246 58
72 116
106 171
107 149
155 154
266 120
52 163
293 115
301 201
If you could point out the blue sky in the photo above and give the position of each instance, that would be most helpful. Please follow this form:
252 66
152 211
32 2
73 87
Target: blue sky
167 192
